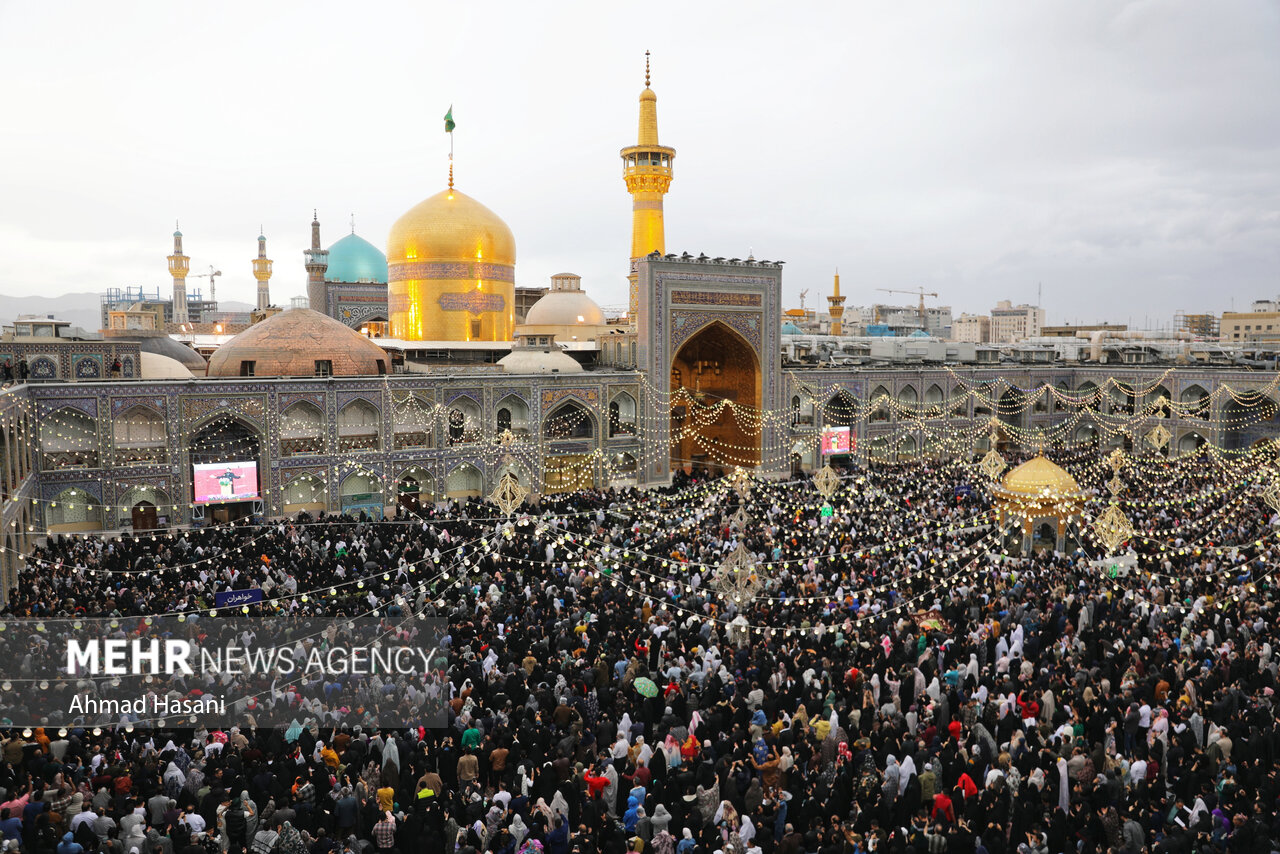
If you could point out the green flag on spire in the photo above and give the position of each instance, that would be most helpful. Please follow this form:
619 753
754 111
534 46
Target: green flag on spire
448 120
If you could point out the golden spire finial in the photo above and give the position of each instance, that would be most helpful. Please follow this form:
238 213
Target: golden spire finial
646 69
450 174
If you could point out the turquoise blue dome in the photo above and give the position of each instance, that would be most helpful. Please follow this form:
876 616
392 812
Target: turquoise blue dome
354 259
790 328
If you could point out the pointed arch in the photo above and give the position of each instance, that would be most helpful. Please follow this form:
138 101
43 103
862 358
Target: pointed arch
68 439
225 438
841 410
1154 396
415 487
359 426
301 429
361 492
569 420
622 415
140 436
512 413
1195 401
144 508
464 481
1190 442
73 510
1012 405
713 373
879 403
307 492
413 422
463 420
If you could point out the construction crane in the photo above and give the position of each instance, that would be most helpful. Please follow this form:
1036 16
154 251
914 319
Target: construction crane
211 275
803 294
922 293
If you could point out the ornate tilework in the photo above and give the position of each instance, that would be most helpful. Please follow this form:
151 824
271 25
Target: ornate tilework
198 409
552 396
475 394
374 399
291 474
406 271
730 298
521 396
473 301
316 399
50 490
153 402
87 405
86 367
123 490
685 324
43 368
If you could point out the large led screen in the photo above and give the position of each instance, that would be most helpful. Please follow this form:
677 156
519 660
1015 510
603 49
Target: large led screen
837 440
219 482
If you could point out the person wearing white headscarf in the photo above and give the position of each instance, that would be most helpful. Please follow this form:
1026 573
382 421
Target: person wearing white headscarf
892 775
559 805
905 772
519 830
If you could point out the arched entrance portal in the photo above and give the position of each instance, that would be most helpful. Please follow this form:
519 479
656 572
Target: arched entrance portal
413 488
224 440
713 369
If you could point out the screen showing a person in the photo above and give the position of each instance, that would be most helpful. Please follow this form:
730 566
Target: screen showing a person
836 440
216 482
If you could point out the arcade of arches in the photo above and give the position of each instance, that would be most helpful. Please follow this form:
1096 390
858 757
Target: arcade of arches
714 366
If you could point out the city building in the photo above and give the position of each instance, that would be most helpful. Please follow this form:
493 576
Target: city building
1011 323
972 328
902 320
1204 327
1260 323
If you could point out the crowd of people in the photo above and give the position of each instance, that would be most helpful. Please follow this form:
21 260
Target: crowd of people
895 683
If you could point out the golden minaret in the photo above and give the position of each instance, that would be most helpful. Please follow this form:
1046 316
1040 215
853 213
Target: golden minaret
836 308
262 272
179 265
647 171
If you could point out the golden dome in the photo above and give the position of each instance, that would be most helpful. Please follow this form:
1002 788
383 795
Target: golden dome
1038 476
289 344
451 226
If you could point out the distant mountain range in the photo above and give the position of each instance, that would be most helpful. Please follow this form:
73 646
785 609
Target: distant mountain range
80 309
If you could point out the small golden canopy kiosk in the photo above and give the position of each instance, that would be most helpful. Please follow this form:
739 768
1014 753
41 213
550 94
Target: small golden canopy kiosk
1041 497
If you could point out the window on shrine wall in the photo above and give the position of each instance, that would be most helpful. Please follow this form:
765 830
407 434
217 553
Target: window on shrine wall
246 368
475 329
324 367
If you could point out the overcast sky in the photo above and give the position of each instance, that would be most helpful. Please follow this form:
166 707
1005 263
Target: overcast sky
1125 155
